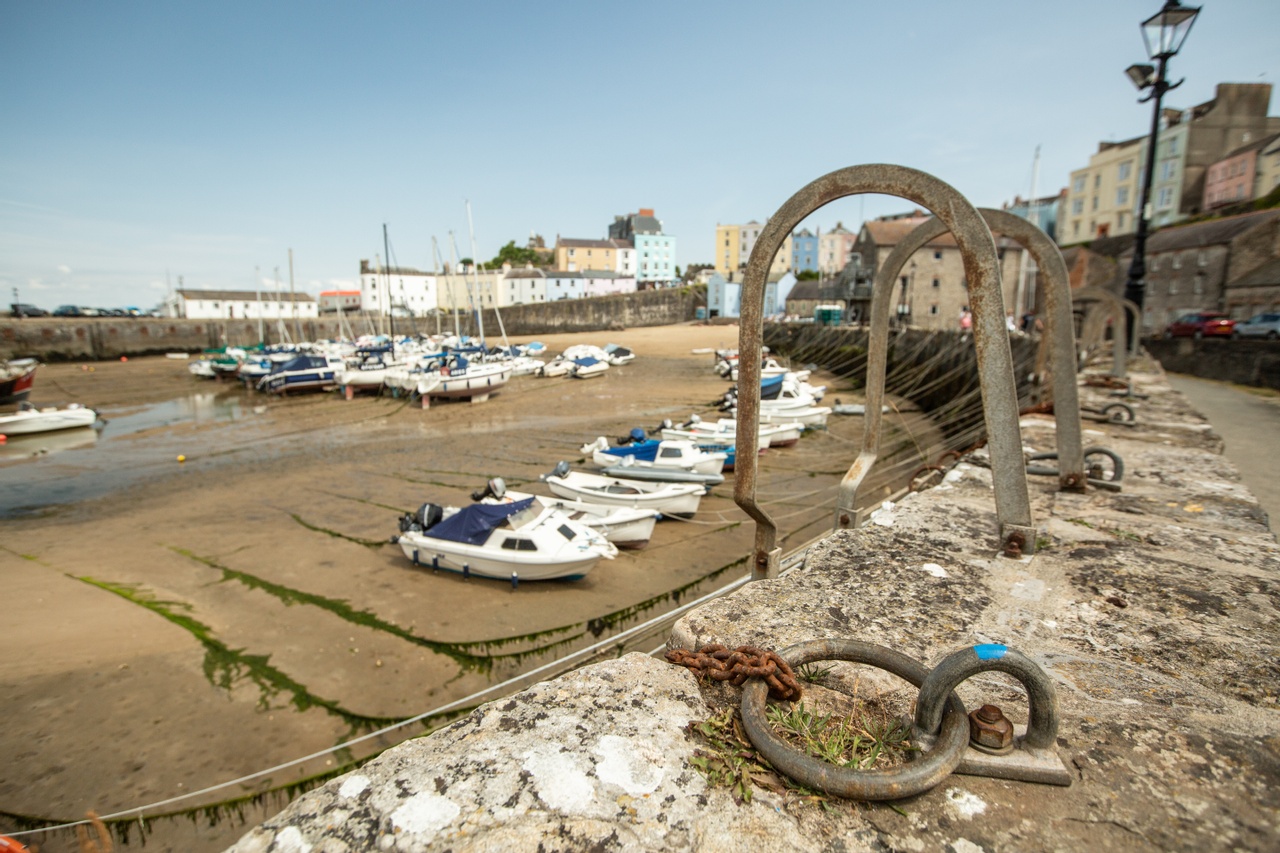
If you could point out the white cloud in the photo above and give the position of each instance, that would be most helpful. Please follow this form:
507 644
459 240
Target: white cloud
64 269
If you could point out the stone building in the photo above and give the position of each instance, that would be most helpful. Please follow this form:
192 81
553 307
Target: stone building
931 289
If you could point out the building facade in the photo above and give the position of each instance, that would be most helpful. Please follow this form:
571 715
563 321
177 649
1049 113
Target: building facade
610 255
931 290
403 289
239 305
1041 212
804 251
655 251
1102 199
1239 177
339 300
834 249
724 297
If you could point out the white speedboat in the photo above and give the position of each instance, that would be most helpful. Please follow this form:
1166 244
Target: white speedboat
461 379
618 356
28 419
625 527
519 540
679 499
812 417
725 431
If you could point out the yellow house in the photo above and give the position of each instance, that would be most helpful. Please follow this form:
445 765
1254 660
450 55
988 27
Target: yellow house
733 249
603 255
727 258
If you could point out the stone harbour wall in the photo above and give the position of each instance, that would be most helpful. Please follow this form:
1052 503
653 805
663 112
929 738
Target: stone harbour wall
1246 362
1153 610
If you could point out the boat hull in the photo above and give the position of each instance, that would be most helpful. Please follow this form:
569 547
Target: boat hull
34 421
475 383
678 499
16 379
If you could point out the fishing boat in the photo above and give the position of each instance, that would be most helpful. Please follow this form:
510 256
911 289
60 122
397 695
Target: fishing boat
676 454
16 378
305 372
625 527
519 540
28 419
678 499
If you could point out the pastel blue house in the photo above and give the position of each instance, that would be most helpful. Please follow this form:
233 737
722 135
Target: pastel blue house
804 251
724 298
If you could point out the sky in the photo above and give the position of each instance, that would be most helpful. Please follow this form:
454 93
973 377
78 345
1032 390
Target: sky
141 142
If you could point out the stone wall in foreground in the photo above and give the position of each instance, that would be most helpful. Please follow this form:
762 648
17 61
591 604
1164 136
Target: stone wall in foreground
1247 362
1154 610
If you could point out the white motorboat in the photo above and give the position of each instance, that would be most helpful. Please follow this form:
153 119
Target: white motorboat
618 356
625 527
556 367
676 454
811 417
521 540
725 430
16 378
587 367
369 368
28 419
678 499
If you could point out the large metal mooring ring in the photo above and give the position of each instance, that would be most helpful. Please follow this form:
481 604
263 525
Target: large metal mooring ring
892 784
938 687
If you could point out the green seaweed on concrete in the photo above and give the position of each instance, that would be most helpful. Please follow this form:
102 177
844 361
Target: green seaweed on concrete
224 666
368 543
460 653
600 624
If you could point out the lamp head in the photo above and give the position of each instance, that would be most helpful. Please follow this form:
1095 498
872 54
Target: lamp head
1166 30
1142 76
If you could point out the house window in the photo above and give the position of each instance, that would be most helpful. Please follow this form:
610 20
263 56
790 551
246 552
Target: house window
1166 170
1077 186
1173 145
1097 181
1123 173
1095 203
1122 196
937 254
1203 258
1177 262
937 283
1119 220
1077 206
1165 198
933 309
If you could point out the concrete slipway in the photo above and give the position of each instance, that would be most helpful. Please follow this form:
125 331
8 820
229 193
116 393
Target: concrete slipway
1152 609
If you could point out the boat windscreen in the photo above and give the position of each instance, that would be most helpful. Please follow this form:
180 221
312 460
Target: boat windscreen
474 523
644 452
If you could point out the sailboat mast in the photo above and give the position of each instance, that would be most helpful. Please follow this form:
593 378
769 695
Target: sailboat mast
1020 295
471 297
391 314
257 294
293 300
475 275
448 283
435 253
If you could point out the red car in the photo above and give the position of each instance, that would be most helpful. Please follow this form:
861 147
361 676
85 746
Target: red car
1202 324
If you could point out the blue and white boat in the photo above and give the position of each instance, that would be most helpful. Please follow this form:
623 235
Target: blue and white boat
522 539
302 373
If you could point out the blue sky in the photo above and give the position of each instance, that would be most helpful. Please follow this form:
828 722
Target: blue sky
208 139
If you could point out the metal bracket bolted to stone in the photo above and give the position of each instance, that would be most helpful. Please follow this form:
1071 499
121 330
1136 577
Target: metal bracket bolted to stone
1033 758
1093 467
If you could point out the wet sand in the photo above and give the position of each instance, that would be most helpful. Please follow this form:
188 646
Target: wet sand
193 622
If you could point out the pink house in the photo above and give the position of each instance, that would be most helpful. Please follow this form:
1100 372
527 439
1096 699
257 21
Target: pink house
1233 179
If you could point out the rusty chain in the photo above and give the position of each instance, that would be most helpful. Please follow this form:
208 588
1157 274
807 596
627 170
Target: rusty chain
720 663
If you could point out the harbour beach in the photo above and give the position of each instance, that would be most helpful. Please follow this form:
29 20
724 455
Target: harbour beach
173 625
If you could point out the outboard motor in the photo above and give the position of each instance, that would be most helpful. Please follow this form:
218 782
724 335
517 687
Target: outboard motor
495 488
427 516
561 470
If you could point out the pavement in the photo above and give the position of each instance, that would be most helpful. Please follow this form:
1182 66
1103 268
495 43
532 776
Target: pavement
1249 423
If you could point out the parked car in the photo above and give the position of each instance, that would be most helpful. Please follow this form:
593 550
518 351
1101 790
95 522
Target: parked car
1259 326
22 309
68 311
1201 324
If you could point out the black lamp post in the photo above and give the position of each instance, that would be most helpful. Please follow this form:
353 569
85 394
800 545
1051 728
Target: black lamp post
1164 32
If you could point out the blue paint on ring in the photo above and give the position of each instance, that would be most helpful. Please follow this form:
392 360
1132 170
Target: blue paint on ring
990 651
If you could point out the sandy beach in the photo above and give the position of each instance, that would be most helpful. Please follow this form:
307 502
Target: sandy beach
173 625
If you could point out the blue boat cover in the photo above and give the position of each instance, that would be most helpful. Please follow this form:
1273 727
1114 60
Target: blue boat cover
303 362
771 387
473 524
645 451
587 361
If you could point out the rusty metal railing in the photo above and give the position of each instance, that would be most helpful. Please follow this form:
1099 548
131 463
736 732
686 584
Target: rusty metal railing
1116 308
995 359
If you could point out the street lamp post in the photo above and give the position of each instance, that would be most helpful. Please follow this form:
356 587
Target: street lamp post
1163 33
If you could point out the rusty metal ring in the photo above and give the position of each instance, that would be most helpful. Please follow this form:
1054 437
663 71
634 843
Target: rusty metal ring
1042 697
893 784
1120 413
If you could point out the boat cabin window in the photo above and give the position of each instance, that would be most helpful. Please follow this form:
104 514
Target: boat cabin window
566 531
516 544
669 452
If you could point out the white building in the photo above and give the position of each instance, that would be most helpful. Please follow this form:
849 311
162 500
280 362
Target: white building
407 290
562 284
603 283
239 305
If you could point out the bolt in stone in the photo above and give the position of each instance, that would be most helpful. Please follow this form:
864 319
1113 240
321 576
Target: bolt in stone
989 729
